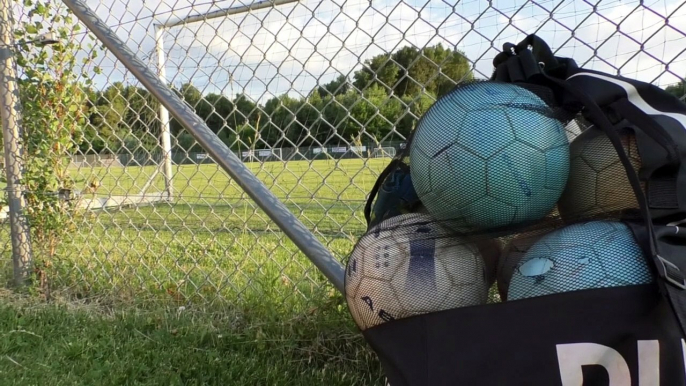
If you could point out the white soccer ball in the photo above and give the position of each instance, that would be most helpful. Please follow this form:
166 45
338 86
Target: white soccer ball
411 265
598 184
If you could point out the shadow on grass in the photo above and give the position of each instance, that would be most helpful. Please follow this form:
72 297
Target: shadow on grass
85 345
333 219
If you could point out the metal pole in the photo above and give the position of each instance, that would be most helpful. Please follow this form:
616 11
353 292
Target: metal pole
228 11
263 197
164 115
9 113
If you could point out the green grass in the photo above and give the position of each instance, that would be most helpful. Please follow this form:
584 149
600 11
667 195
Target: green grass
294 181
214 253
59 345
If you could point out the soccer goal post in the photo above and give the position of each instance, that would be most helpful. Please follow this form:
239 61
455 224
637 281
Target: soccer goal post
261 155
277 211
165 132
382 152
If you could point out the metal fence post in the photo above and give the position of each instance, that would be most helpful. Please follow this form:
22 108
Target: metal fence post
9 113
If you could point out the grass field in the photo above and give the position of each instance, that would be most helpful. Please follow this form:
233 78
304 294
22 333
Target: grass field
254 311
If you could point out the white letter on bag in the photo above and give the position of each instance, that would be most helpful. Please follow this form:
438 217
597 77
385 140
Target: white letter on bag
648 363
572 356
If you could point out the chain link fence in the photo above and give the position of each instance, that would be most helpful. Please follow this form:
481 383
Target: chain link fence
314 96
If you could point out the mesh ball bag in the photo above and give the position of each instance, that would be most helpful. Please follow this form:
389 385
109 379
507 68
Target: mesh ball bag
525 222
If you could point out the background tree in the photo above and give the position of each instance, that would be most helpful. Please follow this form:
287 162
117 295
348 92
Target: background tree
387 94
338 86
410 71
380 71
678 90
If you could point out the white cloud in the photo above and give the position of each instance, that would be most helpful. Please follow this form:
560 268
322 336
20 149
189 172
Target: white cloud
610 39
294 47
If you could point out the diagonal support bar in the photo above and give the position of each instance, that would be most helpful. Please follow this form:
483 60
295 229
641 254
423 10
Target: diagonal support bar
265 199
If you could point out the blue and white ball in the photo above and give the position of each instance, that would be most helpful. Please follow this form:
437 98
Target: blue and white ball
410 265
594 254
489 155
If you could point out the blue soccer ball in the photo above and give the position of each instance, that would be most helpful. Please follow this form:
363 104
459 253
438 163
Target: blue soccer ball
489 155
594 254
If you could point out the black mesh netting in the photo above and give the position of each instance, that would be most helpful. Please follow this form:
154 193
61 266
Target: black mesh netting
517 199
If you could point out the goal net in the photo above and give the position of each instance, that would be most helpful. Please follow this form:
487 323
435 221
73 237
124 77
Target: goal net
261 155
382 152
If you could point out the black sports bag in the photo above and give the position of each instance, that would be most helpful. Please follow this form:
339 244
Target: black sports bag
616 334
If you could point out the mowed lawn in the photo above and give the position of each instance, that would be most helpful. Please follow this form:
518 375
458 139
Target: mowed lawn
203 290
343 180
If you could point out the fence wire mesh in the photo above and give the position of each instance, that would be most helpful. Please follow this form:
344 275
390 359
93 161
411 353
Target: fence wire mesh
315 96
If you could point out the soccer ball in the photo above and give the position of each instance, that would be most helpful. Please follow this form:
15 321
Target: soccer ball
490 250
489 155
594 254
513 252
410 265
597 181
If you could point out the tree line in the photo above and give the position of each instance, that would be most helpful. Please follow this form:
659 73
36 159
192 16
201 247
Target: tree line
388 93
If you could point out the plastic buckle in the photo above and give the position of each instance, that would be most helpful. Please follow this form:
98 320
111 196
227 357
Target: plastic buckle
671 273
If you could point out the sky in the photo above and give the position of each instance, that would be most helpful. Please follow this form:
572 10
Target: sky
294 47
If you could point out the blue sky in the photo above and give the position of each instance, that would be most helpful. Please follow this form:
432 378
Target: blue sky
294 47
